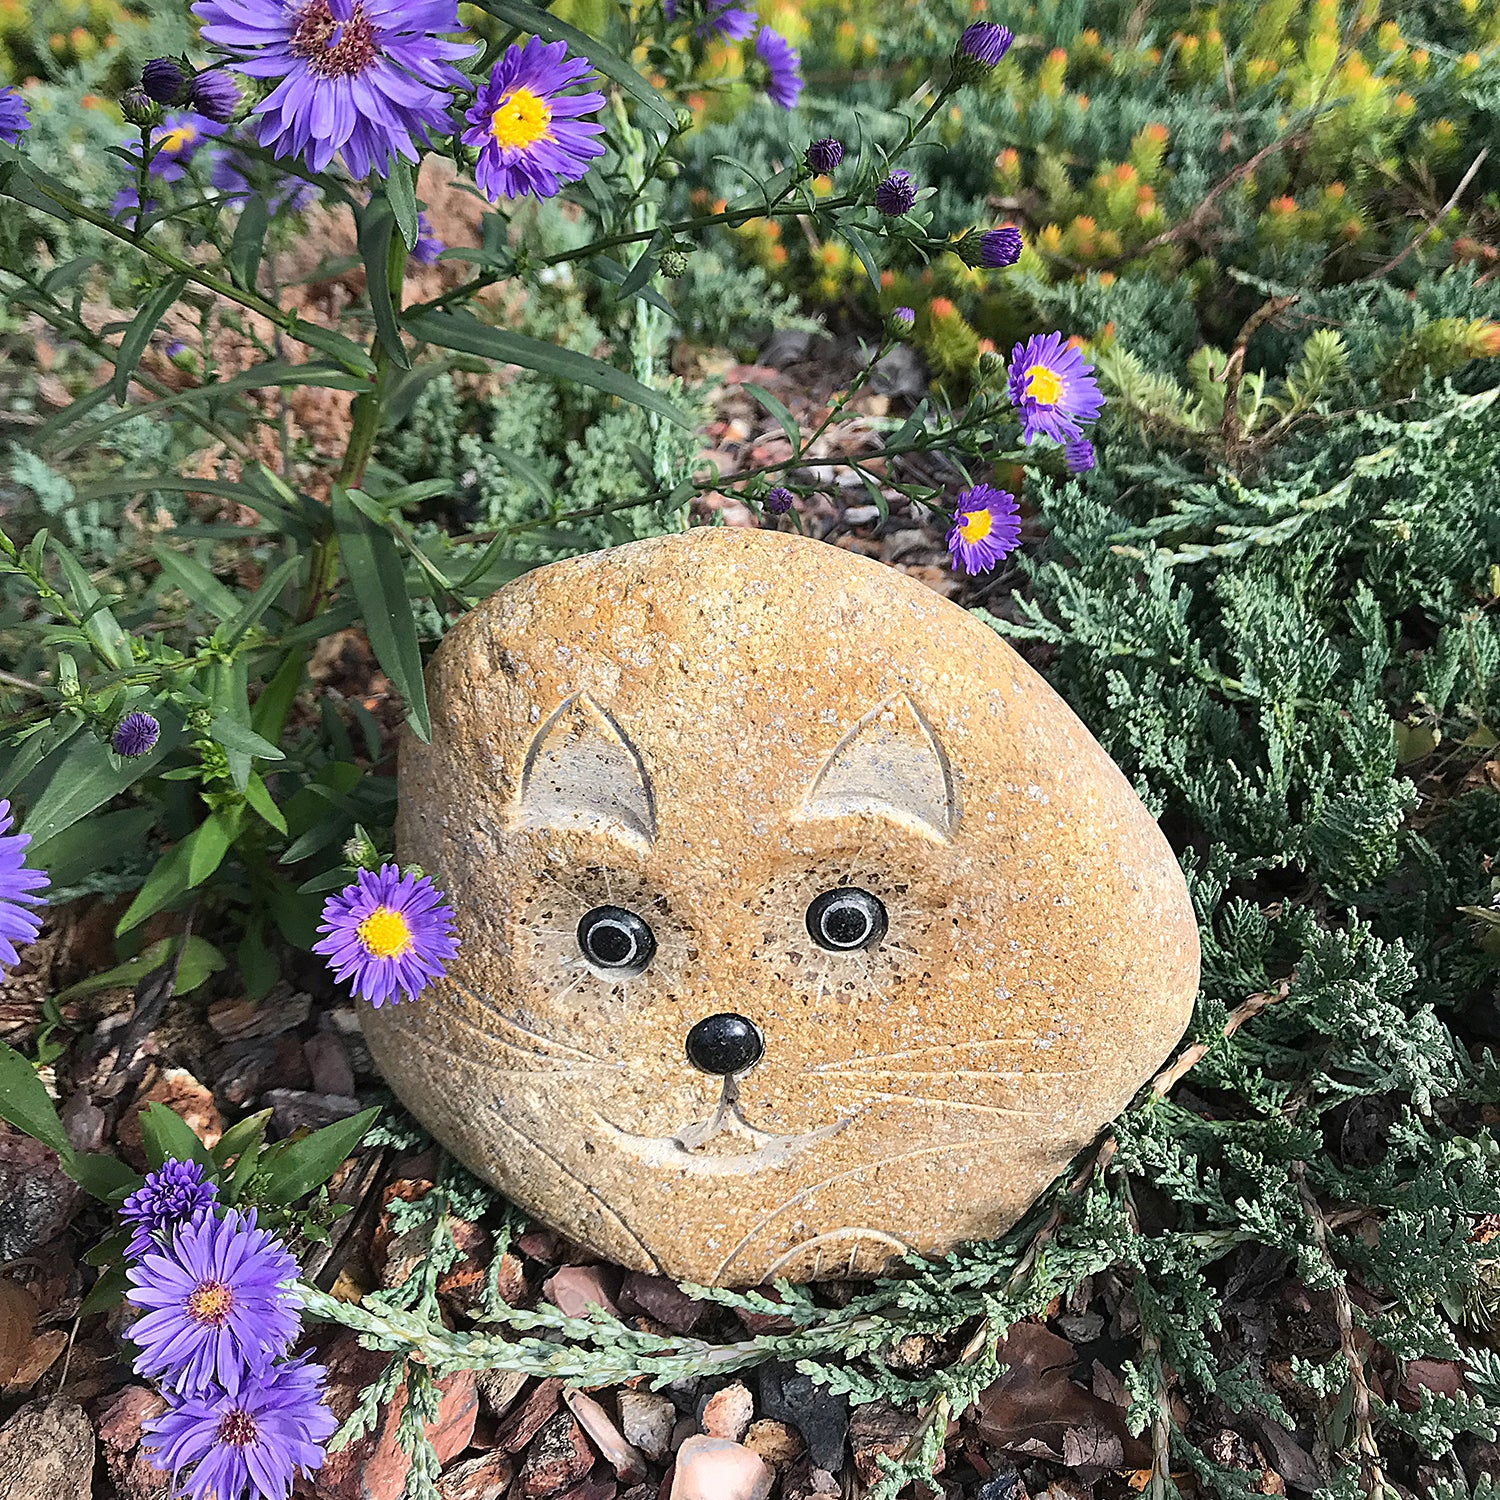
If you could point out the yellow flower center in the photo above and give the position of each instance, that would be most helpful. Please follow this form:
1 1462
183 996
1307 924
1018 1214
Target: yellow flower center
179 139
521 119
1043 385
976 525
210 1302
384 933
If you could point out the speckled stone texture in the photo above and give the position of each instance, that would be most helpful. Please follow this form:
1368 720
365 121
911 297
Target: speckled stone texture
710 730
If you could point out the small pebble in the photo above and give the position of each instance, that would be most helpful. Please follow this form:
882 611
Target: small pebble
712 1469
726 1414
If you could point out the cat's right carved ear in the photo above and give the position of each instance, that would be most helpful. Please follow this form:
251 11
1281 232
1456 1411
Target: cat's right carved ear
583 774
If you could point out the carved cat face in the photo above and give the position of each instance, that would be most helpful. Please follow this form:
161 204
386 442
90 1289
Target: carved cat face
801 923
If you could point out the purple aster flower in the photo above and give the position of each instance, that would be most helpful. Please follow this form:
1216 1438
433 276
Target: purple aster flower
901 321
981 47
240 177
174 1194
428 247
165 80
15 120
364 79
127 202
137 733
783 67
532 136
216 95
779 500
249 1444
896 195
720 18
217 1306
18 887
823 156
387 932
986 527
177 140
1052 388
1079 456
990 249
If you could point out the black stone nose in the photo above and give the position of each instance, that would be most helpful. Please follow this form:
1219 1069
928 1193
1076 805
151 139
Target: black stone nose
725 1044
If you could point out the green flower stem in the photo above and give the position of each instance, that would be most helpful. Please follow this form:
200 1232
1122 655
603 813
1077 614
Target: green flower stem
368 414
285 321
142 180
731 217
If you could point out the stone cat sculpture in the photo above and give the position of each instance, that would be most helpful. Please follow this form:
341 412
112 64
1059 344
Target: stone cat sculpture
802 924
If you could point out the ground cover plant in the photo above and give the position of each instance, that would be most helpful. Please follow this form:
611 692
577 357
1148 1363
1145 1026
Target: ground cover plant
281 407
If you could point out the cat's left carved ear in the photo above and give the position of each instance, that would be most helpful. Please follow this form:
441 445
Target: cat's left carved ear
583 773
890 764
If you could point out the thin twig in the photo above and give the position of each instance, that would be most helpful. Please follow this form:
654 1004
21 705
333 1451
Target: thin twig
1383 271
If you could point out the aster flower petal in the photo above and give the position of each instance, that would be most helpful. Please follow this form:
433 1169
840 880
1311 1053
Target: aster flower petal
19 887
249 1443
986 527
388 934
218 1308
1052 388
783 67
15 119
366 79
175 1193
531 136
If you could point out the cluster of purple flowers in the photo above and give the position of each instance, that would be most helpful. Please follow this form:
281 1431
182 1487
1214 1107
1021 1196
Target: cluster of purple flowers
218 1320
388 933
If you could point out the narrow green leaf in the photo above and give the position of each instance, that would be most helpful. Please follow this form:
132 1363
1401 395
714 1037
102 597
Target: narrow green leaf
307 1164
263 598
401 190
102 1176
249 239
92 844
378 580
617 276
102 627
199 960
243 1135
166 1134
861 247
188 865
25 1103
641 272
260 799
550 29
233 735
142 326
61 791
343 349
106 1293
783 418
377 225
201 587
464 332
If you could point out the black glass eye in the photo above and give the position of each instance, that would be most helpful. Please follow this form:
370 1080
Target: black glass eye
725 1044
845 919
617 940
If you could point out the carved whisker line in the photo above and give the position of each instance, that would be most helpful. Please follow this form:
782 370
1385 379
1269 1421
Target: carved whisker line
563 1067
931 1102
832 1075
564 1050
803 1193
865 1059
610 1213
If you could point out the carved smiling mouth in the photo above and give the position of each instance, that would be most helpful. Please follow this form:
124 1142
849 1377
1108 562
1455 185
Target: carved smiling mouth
684 1150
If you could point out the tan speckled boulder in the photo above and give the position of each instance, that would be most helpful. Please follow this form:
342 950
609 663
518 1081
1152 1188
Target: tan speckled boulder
748 783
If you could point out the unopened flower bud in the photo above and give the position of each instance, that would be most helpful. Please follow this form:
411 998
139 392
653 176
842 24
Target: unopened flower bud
990 249
673 261
779 500
824 155
167 80
216 95
360 852
667 168
140 109
901 322
991 368
979 50
683 121
896 195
